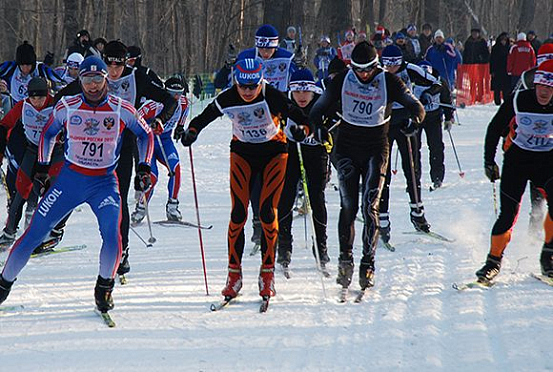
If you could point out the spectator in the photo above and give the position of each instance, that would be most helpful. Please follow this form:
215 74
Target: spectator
425 38
361 36
476 49
289 42
442 57
501 81
533 39
456 63
323 56
346 47
99 44
521 58
82 45
379 39
413 39
406 48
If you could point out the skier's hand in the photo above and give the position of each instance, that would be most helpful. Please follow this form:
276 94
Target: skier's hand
41 181
492 171
157 126
142 180
425 99
321 134
298 132
189 137
178 132
448 124
410 129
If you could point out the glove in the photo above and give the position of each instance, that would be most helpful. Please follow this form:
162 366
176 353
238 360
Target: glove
41 181
425 99
142 180
189 137
157 126
178 132
298 133
321 134
410 129
448 124
492 171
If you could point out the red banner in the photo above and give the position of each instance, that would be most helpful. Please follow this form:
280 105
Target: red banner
473 84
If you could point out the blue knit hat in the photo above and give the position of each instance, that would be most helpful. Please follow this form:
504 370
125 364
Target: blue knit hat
248 71
266 37
93 65
391 56
303 80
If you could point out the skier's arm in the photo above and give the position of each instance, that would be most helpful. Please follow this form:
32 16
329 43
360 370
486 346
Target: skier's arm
144 135
151 91
326 102
497 128
70 89
50 132
280 104
398 92
445 97
8 122
209 114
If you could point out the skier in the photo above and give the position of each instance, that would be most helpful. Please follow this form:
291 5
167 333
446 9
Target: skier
70 71
82 45
304 93
131 85
346 47
409 73
323 56
258 147
15 76
33 113
92 123
432 124
134 60
364 94
168 155
289 42
528 155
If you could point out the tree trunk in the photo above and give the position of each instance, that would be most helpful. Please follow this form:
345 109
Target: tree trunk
526 15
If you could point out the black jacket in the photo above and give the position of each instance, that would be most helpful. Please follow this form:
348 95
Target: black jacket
476 51
498 64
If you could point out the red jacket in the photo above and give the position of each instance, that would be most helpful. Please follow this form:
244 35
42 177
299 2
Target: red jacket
521 58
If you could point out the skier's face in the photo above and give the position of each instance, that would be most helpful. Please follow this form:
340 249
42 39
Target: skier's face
37 101
364 74
115 71
248 92
266 53
544 94
93 86
302 98
25 69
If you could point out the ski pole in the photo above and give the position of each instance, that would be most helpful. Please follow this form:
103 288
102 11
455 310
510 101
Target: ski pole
171 173
494 198
151 239
461 173
148 245
312 219
394 171
412 164
198 218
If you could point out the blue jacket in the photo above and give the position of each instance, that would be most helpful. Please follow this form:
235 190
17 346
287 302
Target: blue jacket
443 58
323 56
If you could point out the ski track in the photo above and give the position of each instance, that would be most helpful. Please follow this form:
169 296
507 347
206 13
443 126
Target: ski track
411 319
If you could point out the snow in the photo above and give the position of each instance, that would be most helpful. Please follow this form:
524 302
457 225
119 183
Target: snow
411 320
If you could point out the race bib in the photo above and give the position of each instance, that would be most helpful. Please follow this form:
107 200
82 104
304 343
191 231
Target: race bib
252 123
364 104
34 121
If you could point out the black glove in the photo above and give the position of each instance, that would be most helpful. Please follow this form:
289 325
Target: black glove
321 134
142 180
492 171
298 133
425 99
189 137
178 132
157 126
410 129
41 181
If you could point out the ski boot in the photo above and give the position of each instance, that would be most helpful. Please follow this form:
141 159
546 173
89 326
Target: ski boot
366 275
139 212
267 281
384 227
345 272
490 269
172 210
50 242
5 288
6 239
436 185
546 260
234 282
124 266
418 220
102 294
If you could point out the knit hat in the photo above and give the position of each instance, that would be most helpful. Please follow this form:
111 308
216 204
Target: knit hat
266 37
544 74
521 36
25 54
38 87
302 80
291 29
74 60
93 65
325 38
400 35
411 27
115 52
174 85
392 56
336 65
545 53
134 52
439 33
364 55
248 71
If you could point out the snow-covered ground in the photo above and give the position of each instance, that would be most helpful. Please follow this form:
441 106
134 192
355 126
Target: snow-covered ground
412 320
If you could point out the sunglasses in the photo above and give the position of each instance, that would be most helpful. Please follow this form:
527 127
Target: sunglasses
248 86
97 79
363 69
